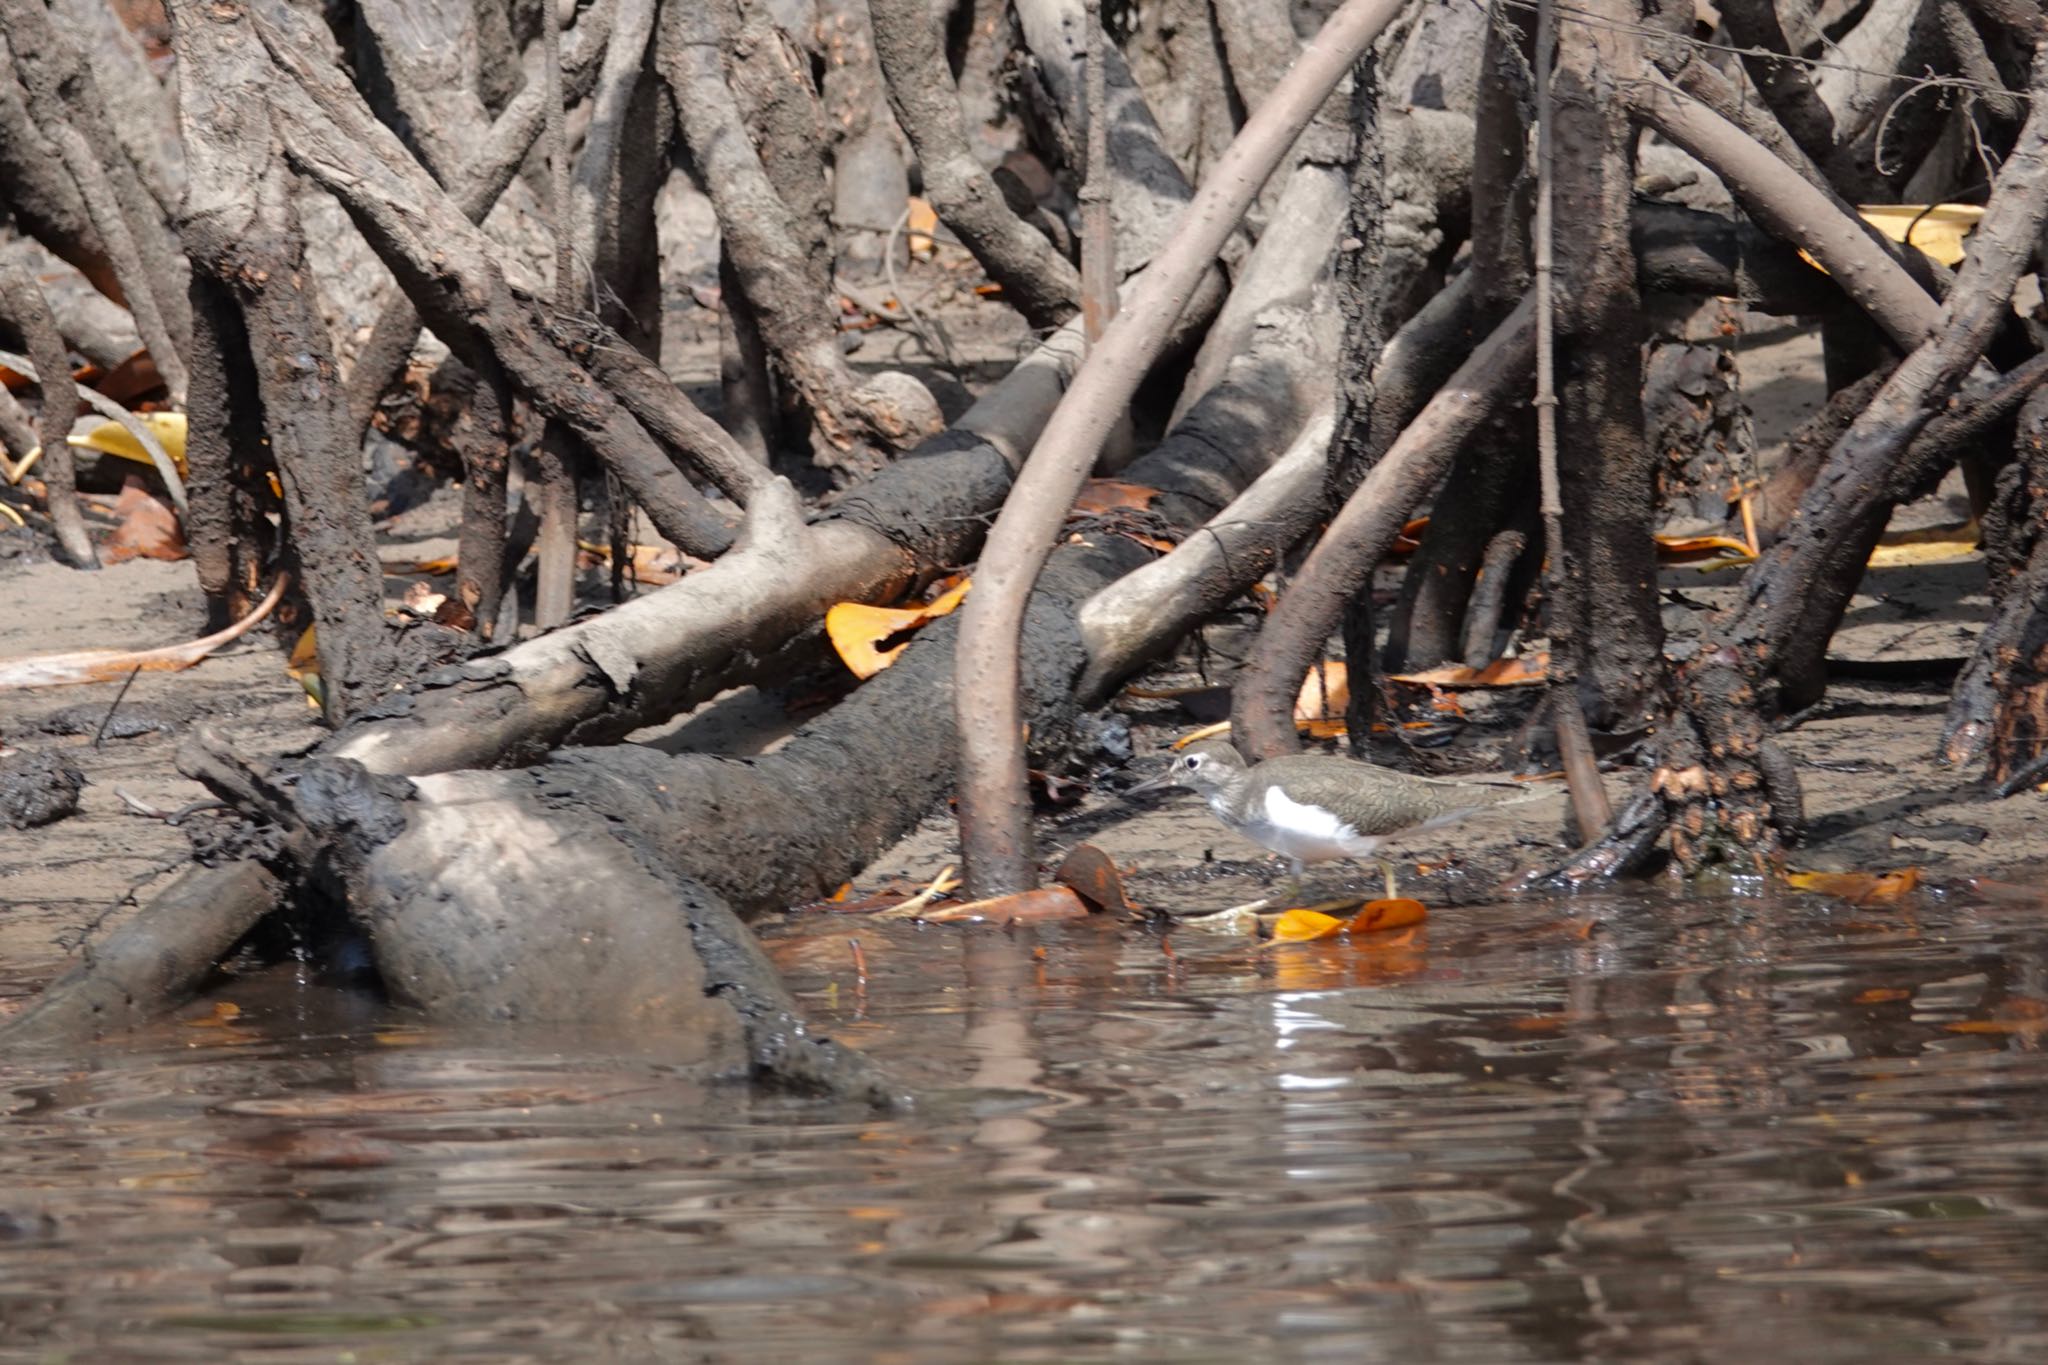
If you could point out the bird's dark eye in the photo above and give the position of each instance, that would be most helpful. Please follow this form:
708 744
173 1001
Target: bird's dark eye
1193 760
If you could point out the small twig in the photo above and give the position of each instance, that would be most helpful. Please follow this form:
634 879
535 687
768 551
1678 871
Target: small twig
930 331
108 719
943 884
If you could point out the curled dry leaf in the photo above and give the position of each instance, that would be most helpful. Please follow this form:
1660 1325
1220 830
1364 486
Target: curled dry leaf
1091 875
1857 888
858 632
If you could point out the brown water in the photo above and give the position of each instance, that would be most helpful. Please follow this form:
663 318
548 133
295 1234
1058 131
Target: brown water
1648 1131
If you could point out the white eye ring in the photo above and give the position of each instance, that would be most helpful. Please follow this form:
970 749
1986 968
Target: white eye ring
1193 761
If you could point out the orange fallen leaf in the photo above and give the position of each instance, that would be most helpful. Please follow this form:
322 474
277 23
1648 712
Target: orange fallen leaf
1857 888
1101 496
1882 995
430 568
1091 875
921 220
1022 907
1325 692
224 1012
857 630
1306 926
1525 670
2026 1028
1398 913
148 529
1410 538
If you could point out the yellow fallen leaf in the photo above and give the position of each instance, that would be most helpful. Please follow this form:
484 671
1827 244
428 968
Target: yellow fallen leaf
1305 926
857 630
1909 553
111 438
304 666
1937 229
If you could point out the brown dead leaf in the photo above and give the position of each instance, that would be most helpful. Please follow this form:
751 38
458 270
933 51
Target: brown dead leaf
1092 876
148 529
858 631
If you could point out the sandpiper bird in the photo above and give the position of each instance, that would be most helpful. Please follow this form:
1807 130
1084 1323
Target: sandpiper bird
1311 808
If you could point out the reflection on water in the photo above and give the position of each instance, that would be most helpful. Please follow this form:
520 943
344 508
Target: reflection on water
1653 1130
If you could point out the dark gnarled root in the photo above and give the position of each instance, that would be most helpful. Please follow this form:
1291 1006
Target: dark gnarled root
1731 794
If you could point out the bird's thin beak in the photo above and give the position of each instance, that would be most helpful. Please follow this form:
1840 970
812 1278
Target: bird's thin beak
1161 782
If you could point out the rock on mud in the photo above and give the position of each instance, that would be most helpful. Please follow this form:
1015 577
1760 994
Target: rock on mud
37 789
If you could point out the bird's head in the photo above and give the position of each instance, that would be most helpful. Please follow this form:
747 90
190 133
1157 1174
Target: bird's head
1204 767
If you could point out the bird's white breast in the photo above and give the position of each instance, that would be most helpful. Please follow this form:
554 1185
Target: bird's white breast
1295 830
